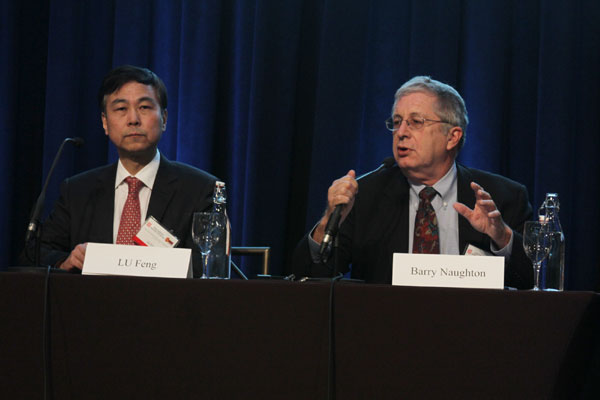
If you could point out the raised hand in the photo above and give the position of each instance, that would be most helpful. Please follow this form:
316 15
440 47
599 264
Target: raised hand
485 217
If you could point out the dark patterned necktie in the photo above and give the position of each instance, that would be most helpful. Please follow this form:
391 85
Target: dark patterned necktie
426 238
131 215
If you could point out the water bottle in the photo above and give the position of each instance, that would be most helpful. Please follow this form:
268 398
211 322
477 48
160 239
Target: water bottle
552 272
219 258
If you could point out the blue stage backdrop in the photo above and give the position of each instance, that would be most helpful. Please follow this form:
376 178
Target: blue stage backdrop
279 98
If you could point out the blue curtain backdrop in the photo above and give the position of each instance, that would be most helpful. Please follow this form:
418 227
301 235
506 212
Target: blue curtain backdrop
278 98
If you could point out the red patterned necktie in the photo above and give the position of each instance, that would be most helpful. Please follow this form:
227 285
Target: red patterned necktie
131 216
426 238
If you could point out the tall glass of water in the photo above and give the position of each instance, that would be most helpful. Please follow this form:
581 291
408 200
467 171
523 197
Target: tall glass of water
205 232
536 243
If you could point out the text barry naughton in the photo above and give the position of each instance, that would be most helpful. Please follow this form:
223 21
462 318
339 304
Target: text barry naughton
459 273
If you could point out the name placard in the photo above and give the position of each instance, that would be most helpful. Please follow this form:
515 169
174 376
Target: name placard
437 270
113 259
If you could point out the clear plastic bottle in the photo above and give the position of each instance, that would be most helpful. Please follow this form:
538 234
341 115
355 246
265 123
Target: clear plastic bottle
552 273
219 258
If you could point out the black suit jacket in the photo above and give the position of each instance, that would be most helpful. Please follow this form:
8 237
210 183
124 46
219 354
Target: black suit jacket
378 226
84 211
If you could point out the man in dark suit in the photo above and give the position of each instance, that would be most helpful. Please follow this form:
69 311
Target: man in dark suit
384 212
93 205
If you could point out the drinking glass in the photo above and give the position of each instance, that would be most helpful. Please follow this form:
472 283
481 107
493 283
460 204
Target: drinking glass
206 233
536 243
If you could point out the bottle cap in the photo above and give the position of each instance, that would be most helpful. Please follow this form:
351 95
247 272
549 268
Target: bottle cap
552 200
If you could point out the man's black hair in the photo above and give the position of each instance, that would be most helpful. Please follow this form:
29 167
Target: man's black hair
119 76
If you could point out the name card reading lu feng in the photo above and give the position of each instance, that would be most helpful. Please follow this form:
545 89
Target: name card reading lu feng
114 259
436 270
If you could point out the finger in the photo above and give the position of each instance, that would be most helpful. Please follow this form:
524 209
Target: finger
487 205
475 186
480 193
78 252
341 196
345 186
348 191
344 183
66 265
76 260
349 177
494 214
78 255
341 199
350 180
463 210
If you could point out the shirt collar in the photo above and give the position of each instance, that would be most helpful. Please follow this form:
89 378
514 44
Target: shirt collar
443 186
147 174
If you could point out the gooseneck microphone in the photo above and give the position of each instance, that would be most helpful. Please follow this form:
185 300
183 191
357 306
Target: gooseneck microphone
333 224
32 228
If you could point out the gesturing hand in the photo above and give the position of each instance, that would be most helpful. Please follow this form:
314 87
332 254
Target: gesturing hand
485 217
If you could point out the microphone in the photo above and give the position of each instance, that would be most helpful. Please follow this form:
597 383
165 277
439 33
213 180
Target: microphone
39 205
333 225
77 141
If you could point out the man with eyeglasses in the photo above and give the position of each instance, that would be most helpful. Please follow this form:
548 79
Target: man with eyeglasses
425 202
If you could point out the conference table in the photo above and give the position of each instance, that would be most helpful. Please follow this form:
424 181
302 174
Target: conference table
113 337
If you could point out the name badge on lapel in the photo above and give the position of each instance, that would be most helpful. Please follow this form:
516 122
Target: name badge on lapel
153 234
471 250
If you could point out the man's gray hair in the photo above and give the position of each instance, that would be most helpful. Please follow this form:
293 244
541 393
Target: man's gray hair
450 105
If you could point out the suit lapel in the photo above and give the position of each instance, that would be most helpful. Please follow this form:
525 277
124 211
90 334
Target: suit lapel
163 189
102 231
395 218
465 195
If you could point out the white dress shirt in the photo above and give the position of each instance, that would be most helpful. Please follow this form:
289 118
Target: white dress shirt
147 175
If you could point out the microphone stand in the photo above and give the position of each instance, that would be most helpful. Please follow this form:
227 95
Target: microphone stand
34 227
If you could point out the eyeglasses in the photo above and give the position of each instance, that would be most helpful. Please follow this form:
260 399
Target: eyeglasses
412 123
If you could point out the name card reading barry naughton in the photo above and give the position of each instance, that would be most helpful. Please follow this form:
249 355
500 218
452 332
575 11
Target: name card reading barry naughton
460 273
441 270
